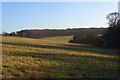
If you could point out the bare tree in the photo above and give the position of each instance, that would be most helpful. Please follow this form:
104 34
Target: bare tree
112 35
113 18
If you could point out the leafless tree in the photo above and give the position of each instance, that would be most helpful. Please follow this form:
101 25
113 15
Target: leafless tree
113 18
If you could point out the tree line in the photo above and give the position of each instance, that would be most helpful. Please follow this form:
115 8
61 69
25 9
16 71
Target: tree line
53 32
110 38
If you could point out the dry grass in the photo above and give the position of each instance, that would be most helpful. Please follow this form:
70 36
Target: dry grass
54 57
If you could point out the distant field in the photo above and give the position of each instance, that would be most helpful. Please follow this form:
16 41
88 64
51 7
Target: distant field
54 57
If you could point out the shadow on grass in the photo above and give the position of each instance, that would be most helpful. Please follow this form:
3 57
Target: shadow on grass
66 58
72 48
74 64
95 49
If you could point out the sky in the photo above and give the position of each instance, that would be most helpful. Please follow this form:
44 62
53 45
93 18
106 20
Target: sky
55 15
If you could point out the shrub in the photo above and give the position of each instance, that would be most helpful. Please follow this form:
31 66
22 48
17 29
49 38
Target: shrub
5 34
88 37
112 35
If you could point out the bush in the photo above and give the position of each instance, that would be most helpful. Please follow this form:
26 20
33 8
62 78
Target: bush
5 34
99 41
112 37
88 37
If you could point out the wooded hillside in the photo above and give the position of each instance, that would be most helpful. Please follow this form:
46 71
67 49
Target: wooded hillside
55 32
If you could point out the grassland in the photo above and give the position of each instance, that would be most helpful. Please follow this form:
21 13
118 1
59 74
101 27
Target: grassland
54 57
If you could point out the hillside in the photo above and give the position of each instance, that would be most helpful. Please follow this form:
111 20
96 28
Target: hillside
55 32
54 57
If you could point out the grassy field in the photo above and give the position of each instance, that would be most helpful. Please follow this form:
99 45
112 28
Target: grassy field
54 57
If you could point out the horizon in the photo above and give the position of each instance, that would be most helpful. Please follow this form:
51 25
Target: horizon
55 15
55 29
